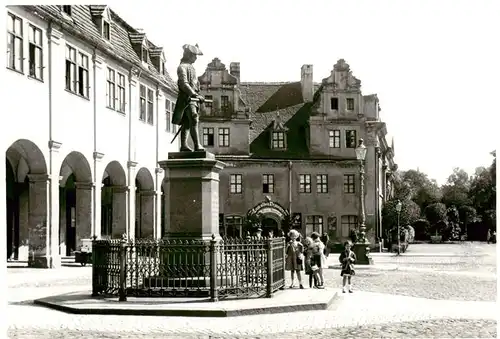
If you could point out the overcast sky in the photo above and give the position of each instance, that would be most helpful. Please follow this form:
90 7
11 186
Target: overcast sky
434 64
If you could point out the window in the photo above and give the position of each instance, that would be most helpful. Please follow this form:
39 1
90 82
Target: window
268 183
350 104
322 183
223 137
334 138
150 106
168 116
305 183
348 223
314 223
106 30
278 139
115 92
162 68
111 90
142 94
174 127
349 184
208 105
334 103
77 72
121 93
235 183
15 43
224 103
66 9
35 53
233 226
144 54
350 139
208 137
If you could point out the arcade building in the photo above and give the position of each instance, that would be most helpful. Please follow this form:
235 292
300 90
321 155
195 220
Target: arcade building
83 139
289 150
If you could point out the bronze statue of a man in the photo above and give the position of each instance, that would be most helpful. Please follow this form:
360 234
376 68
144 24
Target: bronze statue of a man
186 112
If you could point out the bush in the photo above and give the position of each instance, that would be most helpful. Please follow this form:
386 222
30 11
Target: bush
422 229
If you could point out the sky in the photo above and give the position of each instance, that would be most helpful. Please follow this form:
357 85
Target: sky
434 64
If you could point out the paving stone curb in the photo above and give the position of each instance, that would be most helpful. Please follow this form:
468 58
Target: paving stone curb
209 311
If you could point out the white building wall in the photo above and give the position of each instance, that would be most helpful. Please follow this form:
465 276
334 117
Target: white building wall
48 115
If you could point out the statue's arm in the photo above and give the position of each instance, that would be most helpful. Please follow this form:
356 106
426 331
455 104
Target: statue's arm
183 81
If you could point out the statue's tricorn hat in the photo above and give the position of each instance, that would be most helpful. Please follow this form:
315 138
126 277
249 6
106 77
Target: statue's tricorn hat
192 49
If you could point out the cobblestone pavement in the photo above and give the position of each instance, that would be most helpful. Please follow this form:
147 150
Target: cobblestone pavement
404 304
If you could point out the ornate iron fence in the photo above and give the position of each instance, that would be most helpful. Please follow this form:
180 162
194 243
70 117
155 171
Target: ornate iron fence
229 268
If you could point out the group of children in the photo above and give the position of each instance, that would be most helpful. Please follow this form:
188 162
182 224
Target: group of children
310 257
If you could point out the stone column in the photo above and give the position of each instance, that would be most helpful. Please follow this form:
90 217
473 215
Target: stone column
39 232
192 189
83 212
147 217
158 206
96 201
131 199
119 227
62 221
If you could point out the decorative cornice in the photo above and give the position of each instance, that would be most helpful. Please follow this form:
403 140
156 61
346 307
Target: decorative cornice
155 52
98 155
136 38
54 146
84 185
37 178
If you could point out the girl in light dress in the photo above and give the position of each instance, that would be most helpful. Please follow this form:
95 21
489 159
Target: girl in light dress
295 257
318 258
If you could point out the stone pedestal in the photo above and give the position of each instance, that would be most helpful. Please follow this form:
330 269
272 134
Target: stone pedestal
191 214
362 251
192 190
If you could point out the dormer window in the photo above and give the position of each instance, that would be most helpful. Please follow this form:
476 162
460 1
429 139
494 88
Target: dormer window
106 31
278 140
278 135
144 54
66 9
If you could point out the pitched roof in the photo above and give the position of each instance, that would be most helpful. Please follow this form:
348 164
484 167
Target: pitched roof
119 47
268 101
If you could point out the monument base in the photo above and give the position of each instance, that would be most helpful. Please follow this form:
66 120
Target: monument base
362 251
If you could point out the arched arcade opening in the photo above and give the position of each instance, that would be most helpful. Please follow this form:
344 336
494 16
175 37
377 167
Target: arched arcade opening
113 201
75 202
144 204
27 204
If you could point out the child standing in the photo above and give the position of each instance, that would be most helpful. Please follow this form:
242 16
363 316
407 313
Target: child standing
347 259
308 242
295 257
319 259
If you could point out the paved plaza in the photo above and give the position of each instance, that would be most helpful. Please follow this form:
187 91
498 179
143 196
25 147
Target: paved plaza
431 291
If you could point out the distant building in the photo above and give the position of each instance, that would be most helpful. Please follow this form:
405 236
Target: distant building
289 149
87 117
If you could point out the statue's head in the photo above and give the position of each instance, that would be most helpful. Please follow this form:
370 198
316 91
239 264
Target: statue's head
191 52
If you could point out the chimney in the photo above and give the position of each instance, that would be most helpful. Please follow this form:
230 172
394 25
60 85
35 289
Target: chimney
306 82
234 70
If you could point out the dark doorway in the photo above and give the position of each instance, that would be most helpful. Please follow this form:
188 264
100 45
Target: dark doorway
12 223
70 195
106 208
269 225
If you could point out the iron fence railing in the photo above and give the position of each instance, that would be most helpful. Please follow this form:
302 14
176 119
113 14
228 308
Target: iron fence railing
219 269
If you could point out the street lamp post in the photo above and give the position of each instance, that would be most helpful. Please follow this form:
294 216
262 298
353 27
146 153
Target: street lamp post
398 210
363 250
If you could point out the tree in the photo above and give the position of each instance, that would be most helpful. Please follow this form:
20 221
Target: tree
435 213
415 185
452 230
468 215
410 212
422 229
456 190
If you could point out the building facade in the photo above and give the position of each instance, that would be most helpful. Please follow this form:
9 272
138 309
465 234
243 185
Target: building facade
289 150
82 151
